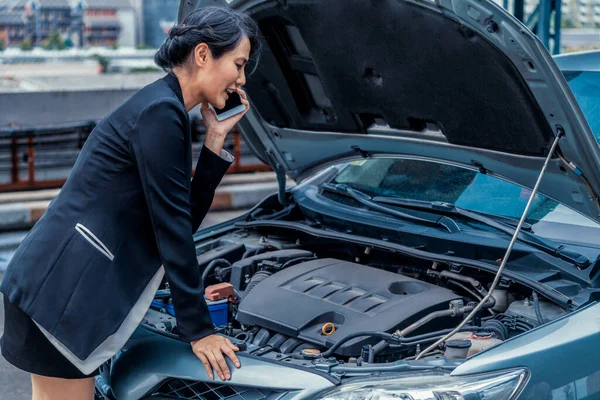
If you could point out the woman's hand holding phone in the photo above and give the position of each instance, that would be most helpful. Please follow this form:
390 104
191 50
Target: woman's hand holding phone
216 130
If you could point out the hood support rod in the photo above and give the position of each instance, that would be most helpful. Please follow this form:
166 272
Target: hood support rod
559 135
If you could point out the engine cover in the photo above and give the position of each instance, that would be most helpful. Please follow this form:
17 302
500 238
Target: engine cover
299 300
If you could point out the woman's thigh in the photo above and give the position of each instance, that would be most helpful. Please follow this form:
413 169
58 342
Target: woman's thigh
46 388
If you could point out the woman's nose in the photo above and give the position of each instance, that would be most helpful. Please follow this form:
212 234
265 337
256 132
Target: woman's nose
241 80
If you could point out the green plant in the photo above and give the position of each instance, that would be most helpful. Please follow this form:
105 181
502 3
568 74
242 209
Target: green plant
26 45
54 42
2 44
102 61
114 46
568 23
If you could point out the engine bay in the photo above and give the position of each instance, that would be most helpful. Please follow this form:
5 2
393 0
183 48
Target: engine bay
289 296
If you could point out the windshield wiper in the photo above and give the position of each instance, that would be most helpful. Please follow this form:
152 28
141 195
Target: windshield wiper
545 245
445 222
497 221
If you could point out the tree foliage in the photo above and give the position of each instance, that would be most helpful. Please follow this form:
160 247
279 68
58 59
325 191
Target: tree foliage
26 45
102 62
54 42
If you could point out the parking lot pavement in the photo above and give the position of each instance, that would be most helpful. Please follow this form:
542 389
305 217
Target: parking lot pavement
15 384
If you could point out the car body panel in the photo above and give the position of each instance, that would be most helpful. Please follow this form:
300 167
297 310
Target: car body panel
561 356
148 359
582 61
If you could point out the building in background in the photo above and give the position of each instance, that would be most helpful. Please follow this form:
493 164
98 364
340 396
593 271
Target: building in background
41 18
101 23
158 17
12 27
110 22
81 22
575 13
126 14
46 17
588 13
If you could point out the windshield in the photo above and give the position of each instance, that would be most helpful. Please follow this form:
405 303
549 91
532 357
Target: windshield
465 188
586 88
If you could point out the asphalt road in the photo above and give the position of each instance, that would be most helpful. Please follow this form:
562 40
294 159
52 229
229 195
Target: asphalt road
16 384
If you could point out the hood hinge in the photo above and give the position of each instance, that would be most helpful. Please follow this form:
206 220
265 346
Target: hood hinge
363 154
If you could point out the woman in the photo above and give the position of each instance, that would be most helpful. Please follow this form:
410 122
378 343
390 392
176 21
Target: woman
83 278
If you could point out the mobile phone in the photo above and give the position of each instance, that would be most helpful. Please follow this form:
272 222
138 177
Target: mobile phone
233 106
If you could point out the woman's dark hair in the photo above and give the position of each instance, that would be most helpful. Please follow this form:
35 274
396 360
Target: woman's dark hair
220 28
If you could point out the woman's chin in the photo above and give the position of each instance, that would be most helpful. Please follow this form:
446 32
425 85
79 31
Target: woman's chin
220 104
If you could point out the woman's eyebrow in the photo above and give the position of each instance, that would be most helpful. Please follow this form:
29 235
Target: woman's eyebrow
243 58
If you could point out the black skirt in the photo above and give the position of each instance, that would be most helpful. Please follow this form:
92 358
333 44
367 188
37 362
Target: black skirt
25 346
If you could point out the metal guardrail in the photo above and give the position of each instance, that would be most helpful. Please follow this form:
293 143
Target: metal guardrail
42 157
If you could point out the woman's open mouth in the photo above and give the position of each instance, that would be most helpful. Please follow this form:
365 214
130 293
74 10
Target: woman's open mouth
228 91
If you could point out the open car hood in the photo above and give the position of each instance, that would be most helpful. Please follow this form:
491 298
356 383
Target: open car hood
460 81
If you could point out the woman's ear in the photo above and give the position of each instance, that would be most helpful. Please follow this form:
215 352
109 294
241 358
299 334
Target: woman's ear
201 54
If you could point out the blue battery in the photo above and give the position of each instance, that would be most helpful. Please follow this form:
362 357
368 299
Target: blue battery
218 310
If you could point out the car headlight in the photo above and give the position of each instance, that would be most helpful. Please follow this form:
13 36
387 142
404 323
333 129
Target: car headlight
501 385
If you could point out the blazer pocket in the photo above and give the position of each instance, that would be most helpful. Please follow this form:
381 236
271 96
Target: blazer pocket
94 241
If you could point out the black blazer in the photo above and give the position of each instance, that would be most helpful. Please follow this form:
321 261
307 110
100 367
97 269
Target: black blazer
128 206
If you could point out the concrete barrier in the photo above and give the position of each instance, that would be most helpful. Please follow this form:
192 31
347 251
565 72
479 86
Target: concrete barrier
59 107
21 210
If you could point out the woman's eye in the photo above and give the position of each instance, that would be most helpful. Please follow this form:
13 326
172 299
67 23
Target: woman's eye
239 67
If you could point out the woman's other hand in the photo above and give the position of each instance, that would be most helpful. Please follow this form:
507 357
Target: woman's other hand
210 350
216 130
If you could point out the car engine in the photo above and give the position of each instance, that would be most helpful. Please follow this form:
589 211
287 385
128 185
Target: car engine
346 297
289 297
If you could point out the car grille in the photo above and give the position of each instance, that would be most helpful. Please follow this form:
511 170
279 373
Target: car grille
183 389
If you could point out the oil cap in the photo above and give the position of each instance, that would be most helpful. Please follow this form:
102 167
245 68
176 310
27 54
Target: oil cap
311 354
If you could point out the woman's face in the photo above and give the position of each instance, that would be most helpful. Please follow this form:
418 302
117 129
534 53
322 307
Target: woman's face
223 76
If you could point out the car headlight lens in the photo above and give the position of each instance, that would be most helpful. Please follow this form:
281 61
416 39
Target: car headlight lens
502 385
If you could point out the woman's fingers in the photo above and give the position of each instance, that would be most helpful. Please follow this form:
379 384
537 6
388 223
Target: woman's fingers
207 365
211 350
244 99
207 112
226 375
215 363
228 351
233 346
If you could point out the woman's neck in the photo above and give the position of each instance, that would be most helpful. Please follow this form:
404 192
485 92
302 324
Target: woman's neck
191 95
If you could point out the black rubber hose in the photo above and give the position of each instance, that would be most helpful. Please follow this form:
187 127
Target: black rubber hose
212 265
297 260
439 335
443 313
394 338
252 252
472 293
255 280
332 349
467 279
430 317
477 296
536 306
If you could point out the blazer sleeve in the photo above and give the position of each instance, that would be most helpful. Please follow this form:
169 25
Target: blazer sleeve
210 169
158 147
